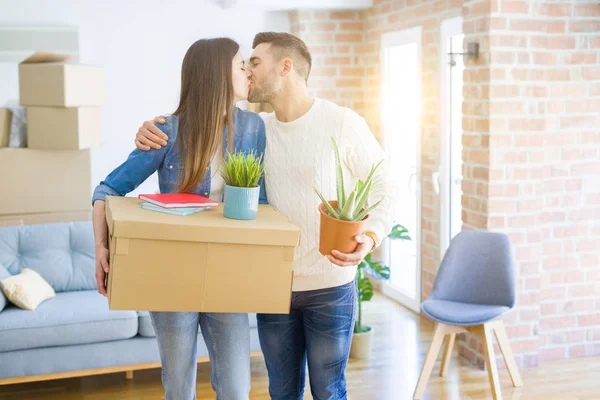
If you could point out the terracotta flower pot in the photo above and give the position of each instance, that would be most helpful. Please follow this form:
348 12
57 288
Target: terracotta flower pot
336 234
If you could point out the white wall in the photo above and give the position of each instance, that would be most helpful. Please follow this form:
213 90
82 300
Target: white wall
140 44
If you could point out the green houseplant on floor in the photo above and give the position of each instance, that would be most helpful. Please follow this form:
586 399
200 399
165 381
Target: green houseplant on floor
241 173
363 334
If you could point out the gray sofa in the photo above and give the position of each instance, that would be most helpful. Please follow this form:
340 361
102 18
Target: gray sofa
73 334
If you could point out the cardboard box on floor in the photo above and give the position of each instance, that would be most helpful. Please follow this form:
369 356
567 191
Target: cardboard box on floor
70 128
5 121
40 181
45 218
203 262
46 79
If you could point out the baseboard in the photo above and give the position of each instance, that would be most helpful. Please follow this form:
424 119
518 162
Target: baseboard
91 372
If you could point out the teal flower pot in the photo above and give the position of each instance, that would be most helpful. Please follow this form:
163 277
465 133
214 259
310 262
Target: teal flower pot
240 203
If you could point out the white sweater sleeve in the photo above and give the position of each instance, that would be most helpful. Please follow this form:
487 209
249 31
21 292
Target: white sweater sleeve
361 152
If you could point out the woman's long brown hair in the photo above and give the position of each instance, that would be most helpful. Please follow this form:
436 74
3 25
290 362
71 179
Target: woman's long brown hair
205 107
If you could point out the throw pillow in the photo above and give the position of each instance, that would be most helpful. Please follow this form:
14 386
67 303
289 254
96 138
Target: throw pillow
27 290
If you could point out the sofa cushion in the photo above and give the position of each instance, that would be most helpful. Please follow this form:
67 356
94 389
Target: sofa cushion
252 320
147 329
63 254
69 318
3 275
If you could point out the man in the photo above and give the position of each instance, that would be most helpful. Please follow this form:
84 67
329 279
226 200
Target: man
298 158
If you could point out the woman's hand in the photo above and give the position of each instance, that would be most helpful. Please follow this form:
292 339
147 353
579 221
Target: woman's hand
102 268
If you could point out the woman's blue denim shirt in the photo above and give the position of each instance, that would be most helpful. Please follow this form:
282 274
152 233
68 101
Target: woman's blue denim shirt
249 135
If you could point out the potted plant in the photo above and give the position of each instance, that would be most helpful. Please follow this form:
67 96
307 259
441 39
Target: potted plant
362 338
343 219
241 173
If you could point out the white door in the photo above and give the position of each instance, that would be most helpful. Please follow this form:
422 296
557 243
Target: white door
450 172
401 125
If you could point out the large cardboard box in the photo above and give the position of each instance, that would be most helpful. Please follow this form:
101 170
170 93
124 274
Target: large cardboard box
203 262
5 121
70 128
39 181
46 79
45 218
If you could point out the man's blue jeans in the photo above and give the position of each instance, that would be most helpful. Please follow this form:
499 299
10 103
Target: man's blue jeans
318 331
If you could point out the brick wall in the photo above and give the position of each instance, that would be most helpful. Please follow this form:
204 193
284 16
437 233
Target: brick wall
335 40
545 158
531 145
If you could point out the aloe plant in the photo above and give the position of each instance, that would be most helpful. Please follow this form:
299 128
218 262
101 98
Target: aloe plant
242 170
351 207
376 270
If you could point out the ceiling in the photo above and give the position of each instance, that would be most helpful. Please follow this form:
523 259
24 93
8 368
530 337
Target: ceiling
286 5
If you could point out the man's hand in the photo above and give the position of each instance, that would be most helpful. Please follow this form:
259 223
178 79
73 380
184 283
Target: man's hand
102 268
365 245
150 136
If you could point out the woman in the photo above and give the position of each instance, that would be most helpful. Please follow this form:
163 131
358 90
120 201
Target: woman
203 128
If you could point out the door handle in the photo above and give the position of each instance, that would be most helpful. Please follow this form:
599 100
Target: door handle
435 179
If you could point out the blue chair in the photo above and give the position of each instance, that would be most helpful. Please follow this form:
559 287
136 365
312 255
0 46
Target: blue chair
475 285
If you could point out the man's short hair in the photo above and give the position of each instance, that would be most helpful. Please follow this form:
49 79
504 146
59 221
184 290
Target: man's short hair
287 45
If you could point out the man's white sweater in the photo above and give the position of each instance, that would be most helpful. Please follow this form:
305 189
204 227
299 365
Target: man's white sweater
299 157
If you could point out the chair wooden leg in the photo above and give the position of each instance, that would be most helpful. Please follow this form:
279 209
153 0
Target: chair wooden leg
447 354
507 353
485 334
129 375
432 353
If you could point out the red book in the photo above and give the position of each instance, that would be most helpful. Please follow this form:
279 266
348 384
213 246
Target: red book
178 200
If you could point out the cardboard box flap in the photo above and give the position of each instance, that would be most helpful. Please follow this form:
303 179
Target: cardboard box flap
45 57
127 220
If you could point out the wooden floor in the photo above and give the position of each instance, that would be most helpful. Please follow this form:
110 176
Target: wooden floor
391 373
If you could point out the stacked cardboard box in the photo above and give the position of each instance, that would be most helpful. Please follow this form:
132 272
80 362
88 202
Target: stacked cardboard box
63 102
203 262
50 181
5 119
